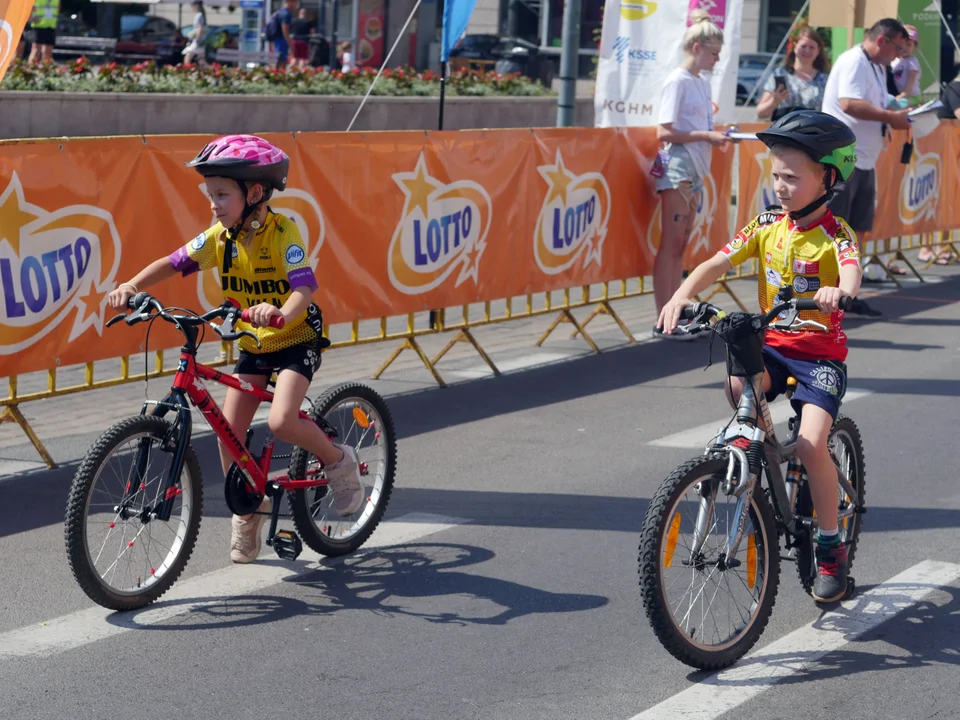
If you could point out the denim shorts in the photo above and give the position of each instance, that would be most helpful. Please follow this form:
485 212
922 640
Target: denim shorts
819 382
679 169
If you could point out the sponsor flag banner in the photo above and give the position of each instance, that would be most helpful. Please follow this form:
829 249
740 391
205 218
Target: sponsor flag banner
393 223
641 43
13 18
911 199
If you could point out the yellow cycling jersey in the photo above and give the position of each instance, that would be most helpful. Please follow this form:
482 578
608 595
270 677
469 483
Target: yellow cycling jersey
263 270
806 259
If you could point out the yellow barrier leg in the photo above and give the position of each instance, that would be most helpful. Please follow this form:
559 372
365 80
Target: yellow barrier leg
466 336
598 310
566 316
901 256
11 413
605 308
410 344
878 261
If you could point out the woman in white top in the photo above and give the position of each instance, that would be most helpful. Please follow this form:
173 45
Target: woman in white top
686 127
199 27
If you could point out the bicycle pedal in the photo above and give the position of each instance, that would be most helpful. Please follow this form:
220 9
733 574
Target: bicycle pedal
851 587
788 558
287 545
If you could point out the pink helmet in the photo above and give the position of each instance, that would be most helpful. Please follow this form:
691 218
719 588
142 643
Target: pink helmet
244 158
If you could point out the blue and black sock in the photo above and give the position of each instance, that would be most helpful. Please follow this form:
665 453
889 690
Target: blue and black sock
828 540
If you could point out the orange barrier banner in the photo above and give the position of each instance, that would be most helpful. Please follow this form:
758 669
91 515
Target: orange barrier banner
394 223
911 199
13 18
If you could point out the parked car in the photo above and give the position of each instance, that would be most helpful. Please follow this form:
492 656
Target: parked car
750 74
149 38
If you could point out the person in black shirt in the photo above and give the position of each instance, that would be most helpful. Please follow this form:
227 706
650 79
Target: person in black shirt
300 34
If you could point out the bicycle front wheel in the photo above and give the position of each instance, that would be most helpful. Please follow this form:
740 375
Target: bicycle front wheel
121 554
707 610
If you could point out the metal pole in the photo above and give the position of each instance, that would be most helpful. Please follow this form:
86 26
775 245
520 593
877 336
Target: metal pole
569 55
333 36
443 92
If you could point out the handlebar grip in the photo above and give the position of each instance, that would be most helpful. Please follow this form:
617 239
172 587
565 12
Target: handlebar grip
689 312
846 302
135 302
276 321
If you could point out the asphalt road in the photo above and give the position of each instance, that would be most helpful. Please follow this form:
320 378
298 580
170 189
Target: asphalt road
504 584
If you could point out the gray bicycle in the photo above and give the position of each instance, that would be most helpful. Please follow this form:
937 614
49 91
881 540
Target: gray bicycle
710 544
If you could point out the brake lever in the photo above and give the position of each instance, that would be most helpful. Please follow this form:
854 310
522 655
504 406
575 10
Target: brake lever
115 319
230 337
809 323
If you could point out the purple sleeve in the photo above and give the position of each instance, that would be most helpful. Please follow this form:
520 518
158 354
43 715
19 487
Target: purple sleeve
181 261
302 277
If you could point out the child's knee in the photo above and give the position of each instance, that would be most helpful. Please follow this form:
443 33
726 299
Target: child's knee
282 424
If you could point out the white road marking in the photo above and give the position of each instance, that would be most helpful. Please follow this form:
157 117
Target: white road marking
512 365
761 670
698 437
88 626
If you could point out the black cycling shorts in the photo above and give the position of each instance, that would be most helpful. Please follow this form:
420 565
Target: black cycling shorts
303 358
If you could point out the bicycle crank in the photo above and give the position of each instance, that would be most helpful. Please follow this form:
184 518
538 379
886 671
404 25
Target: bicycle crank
286 544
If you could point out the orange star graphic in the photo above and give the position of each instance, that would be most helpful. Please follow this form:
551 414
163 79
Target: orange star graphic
12 219
92 303
418 189
559 178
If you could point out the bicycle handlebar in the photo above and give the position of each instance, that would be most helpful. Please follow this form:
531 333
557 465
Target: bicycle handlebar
702 312
142 303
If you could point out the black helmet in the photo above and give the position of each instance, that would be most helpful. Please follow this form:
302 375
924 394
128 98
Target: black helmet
823 137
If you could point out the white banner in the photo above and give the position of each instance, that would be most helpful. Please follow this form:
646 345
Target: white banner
641 45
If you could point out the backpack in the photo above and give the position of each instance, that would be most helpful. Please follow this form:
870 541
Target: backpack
274 31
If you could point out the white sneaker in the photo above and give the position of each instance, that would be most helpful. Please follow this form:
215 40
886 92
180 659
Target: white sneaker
344 479
245 541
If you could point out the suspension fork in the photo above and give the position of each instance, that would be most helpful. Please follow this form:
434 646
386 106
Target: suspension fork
182 427
750 461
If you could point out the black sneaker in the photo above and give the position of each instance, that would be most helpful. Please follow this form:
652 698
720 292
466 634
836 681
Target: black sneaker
831 582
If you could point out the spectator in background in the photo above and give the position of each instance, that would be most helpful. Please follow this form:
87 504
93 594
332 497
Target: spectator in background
283 40
300 33
346 57
43 21
193 50
799 84
906 69
686 127
856 93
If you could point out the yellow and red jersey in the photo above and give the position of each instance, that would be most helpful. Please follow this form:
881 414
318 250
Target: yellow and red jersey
807 259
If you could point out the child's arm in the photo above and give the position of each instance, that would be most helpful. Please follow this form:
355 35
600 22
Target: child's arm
700 279
828 298
157 271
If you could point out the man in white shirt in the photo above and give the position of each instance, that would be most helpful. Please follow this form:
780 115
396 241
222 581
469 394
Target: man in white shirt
856 93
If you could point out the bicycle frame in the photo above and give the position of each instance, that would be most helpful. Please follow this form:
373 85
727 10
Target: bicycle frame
188 387
753 422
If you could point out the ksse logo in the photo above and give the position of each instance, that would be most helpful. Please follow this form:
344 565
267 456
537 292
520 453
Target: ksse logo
297 205
52 265
573 219
443 227
920 189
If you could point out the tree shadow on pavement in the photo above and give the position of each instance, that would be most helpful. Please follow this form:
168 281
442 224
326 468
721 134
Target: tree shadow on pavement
926 633
419 580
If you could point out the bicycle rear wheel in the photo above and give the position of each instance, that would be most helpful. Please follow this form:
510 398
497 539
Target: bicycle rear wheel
361 419
121 555
846 449
706 611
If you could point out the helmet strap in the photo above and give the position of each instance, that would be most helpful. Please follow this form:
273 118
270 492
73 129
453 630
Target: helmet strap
233 233
830 182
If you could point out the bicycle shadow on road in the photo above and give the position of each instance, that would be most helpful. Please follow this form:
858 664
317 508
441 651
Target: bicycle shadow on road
416 580
917 637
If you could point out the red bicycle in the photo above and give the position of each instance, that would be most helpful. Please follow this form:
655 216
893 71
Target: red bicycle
131 527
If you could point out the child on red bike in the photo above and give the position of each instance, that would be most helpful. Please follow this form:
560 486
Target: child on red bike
804 246
263 265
